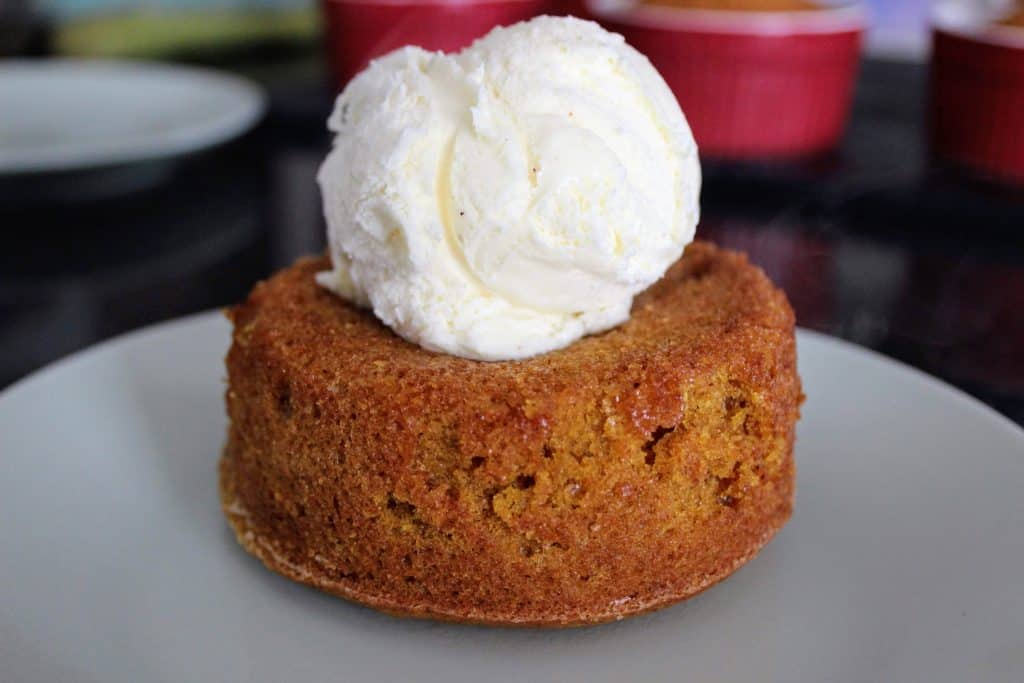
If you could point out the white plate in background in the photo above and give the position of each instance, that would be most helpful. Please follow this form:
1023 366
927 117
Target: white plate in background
75 114
904 560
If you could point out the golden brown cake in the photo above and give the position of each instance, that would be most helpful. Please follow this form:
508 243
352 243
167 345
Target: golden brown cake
623 473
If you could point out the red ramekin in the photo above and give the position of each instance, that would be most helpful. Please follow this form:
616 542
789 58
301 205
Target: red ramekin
753 85
360 30
977 94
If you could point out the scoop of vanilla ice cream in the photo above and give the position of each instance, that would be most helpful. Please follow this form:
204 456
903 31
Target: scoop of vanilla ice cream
507 200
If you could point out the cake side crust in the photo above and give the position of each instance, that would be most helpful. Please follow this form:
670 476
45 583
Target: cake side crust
627 472
264 550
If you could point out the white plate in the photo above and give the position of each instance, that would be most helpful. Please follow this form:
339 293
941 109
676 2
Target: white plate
67 114
904 560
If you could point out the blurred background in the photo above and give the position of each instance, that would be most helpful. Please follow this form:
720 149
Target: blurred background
158 157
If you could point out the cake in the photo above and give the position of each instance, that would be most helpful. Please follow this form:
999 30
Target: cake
622 473
513 391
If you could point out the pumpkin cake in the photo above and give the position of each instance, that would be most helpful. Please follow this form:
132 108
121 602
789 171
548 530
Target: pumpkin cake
625 472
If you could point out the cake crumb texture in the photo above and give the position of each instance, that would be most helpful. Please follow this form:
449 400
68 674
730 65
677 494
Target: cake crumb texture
625 472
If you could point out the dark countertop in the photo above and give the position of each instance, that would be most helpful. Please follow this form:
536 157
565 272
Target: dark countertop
873 244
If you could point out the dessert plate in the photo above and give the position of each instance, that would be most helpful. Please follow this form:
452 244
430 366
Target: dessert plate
72 114
902 562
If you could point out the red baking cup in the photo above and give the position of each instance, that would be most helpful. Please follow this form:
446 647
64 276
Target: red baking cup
753 85
977 101
360 31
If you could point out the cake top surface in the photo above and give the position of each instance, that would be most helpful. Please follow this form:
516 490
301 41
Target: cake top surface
707 307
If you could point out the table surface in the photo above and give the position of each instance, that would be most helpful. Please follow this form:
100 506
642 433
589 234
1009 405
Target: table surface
874 243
